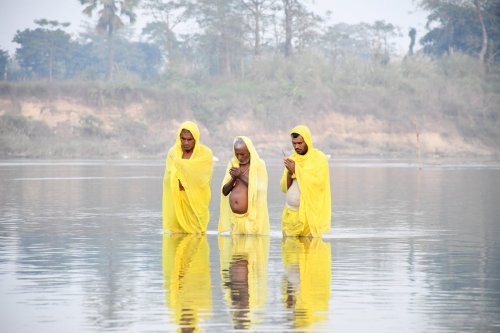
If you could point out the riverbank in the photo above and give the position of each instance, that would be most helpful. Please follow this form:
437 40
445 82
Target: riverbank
403 110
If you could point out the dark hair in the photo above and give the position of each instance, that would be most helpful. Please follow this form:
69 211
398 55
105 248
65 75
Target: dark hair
295 135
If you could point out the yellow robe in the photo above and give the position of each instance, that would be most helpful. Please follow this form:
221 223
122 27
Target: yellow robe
187 211
256 220
187 283
313 176
243 265
306 290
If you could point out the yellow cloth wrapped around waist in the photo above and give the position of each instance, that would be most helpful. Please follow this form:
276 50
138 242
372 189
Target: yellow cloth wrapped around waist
256 219
313 177
187 211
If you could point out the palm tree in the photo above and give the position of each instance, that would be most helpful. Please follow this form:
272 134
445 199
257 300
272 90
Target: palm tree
109 20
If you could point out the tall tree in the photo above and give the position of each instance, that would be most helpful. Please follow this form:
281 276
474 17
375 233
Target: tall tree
298 24
288 10
42 51
466 25
382 32
167 15
484 45
412 33
257 11
342 41
222 28
52 40
4 60
109 20
306 27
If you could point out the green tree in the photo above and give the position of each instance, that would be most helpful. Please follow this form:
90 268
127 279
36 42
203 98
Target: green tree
382 32
306 27
109 20
256 13
167 15
43 51
412 33
289 8
4 60
471 26
222 28
298 24
367 41
139 58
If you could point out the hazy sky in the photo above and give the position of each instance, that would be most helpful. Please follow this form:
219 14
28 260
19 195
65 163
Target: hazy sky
20 14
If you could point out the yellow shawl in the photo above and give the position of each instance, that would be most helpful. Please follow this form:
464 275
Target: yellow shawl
308 263
186 273
195 175
245 296
257 214
313 176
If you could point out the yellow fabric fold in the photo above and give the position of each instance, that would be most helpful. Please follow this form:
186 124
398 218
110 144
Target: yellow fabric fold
190 215
256 220
306 289
243 264
313 176
187 282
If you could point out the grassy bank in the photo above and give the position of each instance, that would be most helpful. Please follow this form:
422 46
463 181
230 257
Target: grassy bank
445 107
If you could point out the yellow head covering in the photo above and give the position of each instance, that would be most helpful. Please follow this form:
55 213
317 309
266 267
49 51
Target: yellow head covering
258 216
186 273
308 265
313 176
192 214
246 295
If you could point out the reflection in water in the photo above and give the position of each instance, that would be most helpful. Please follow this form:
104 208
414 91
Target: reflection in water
306 287
414 251
243 261
186 272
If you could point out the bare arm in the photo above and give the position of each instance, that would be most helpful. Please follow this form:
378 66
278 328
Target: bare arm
290 166
226 189
236 174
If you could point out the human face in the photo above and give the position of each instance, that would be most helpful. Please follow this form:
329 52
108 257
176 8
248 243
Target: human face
299 145
242 154
187 141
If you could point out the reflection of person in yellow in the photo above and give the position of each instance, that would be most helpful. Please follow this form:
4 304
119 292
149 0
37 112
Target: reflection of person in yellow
243 204
306 182
186 272
306 289
243 262
186 183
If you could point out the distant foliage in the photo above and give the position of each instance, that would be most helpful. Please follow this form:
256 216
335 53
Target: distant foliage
456 25
188 41
4 60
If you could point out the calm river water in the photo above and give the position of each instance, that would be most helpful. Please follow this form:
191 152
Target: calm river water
411 250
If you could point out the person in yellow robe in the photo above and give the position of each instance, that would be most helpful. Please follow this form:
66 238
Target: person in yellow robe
243 265
186 183
187 281
306 287
306 182
243 204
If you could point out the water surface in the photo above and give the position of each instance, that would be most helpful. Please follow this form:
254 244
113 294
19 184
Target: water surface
413 249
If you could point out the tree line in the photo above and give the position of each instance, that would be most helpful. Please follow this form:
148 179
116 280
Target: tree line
225 37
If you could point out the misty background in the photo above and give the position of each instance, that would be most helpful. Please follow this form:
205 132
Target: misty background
96 78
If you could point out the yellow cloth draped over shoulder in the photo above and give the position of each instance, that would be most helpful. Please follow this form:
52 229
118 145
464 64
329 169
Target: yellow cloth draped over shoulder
308 263
187 211
313 217
256 220
187 282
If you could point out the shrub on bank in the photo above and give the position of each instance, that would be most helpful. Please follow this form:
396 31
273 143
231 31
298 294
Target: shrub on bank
450 96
